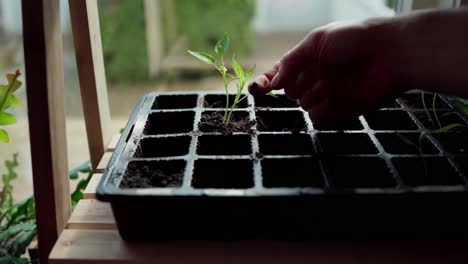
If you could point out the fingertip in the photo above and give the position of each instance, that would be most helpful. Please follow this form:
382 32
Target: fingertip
259 86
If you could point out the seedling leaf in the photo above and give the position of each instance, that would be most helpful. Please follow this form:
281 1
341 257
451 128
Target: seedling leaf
250 72
237 68
441 130
272 94
223 45
205 57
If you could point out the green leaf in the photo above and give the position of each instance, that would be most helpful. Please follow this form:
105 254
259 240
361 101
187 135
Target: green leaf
24 212
83 168
441 130
237 68
223 70
223 45
10 101
15 229
250 72
205 57
6 91
7 119
272 94
4 136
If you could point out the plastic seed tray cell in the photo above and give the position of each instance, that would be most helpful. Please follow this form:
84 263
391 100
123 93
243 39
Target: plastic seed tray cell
271 172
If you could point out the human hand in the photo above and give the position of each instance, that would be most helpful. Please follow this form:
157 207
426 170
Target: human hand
338 71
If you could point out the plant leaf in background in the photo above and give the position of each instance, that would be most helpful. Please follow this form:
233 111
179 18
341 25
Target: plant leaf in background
205 57
7 119
223 45
77 194
4 136
8 99
85 167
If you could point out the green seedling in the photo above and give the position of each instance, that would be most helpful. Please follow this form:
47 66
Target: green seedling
240 78
272 95
8 99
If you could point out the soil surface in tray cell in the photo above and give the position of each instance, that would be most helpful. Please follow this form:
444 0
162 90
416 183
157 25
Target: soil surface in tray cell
390 120
286 144
291 172
223 174
415 101
150 174
224 145
419 171
456 143
163 147
169 123
212 121
175 101
359 172
219 101
281 121
279 101
405 143
353 124
344 143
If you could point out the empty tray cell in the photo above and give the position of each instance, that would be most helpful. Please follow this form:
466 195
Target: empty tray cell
346 143
224 145
212 121
295 172
390 120
405 143
279 101
463 164
223 174
456 143
415 101
354 124
289 144
163 147
426 171
445 118
286 121
169 123
150 174
219 101
359 172
175 101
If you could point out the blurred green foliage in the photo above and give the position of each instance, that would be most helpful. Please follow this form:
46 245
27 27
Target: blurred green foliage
202 22
124 40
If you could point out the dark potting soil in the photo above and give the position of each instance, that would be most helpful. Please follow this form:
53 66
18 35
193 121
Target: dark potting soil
213 122
147 177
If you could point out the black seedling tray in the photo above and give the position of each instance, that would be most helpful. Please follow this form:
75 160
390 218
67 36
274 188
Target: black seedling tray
274 175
